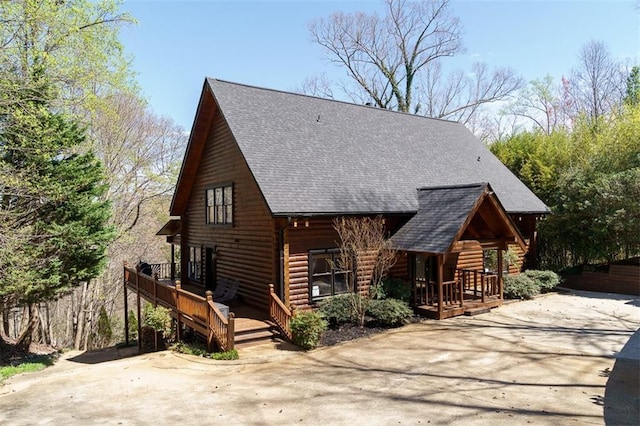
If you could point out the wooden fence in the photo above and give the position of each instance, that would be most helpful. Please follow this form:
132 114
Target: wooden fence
622 279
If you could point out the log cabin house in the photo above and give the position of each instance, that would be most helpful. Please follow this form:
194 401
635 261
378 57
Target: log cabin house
266 172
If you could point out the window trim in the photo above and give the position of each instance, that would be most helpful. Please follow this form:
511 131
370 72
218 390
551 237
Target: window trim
333 251
211 206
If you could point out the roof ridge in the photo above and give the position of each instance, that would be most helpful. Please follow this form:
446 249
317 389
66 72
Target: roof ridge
463 185
332 100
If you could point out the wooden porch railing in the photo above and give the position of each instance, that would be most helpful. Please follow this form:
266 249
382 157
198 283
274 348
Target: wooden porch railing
197 312
279 313
163 270
426 293
452 293
480 284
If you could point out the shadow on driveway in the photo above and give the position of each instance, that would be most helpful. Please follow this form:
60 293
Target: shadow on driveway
112 353
622 394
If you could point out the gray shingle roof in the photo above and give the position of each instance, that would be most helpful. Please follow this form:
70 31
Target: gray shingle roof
318 156
442 212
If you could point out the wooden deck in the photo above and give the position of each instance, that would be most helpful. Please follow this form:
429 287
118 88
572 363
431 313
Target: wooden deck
191 306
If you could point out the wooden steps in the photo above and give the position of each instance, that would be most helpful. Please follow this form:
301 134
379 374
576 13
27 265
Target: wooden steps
256 334
471 307
477 311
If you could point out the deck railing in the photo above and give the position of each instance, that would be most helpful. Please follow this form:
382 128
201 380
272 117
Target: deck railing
426 293
221 329
163 270
197 312
480 284
452 293
279 313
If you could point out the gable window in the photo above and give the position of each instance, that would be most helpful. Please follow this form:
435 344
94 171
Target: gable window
325 277
195 262
220 205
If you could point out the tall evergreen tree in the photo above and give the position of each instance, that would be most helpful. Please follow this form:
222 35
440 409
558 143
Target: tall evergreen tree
53 215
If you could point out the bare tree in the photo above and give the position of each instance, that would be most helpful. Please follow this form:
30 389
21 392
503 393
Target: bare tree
598 81
317 85
547 105
395 60
366 252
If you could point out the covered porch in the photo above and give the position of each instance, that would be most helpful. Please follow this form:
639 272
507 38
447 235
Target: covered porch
453 221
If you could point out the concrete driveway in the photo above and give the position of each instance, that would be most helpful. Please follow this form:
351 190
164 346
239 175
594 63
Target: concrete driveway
551 360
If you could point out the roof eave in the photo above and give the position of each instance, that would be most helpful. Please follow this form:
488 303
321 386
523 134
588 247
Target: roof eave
197 140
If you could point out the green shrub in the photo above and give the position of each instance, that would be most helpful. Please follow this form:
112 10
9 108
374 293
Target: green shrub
199 349
133 325
196 349
226 355
307 329
339 309
544 280
519 286
389 312
397 289
158 318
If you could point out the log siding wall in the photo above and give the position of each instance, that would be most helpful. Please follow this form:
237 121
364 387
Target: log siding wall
247 250
320 234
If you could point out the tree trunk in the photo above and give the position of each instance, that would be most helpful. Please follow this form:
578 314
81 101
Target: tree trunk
80 325
68 335
43 333
25 338
4 330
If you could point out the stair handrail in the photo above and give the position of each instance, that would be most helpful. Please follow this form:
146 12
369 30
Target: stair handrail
221 329
279 314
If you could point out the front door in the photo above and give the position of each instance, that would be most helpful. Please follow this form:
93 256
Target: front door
210 269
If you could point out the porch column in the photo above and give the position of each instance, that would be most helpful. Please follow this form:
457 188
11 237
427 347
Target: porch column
440 290
286 274
173 262
126 312
500 286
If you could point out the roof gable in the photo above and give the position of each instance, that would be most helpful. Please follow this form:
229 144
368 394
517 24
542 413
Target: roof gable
313 156
447 214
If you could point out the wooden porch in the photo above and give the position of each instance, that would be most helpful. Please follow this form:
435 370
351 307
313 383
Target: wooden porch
223 326
472 292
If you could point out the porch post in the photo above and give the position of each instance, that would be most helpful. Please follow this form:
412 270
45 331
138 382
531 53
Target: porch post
440 277
138 312
500 286
173 262
126 307
286 272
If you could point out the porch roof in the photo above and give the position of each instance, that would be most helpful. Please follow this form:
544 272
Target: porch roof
448 214
171 228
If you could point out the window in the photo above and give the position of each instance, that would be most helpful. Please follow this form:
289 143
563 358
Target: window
195 262
325 279
220 205
490 261
426 269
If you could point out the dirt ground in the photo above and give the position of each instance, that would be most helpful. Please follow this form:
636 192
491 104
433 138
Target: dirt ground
559 359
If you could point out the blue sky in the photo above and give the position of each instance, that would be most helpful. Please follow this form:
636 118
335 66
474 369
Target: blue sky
266 43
